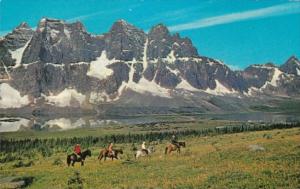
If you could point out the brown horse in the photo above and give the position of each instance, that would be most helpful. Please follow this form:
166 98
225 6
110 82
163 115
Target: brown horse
172 147
105 154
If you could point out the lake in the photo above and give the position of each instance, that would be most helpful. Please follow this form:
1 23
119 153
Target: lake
12 124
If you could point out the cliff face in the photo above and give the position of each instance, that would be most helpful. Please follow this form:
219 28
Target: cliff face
61 65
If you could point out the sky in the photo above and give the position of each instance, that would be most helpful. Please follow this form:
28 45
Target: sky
237 32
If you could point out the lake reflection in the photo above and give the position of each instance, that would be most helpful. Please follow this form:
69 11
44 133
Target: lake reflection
10 124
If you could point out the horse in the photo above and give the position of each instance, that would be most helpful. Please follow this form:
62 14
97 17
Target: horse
72 158
105 154
172 147
141 153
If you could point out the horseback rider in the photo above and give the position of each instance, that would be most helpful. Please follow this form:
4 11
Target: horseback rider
144 147
110 149
77 150
174 141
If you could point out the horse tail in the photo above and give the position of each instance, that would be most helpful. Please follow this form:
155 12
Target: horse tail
69 160
100 156
166 150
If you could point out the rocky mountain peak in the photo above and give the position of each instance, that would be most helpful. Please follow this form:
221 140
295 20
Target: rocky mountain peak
58 42
23 25
18 37
291 66
270 65
261 67
49 23
293 60
124 41
159 31
79 26
121 26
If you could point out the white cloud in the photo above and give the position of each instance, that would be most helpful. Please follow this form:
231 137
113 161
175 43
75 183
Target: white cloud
87 16
287 8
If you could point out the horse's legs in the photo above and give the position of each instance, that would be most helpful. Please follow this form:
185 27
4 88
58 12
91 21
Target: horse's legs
82 162
73 162
178 150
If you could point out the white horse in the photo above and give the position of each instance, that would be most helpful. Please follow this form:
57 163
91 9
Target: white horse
142 153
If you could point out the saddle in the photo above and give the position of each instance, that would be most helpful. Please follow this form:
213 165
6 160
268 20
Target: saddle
77 156
145 150
175 145
112 153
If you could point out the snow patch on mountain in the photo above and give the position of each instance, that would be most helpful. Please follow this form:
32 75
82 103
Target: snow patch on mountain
298 71
98 97
220 89
98 68
275 78
149 87
18 54
54 33
184 84
251 91
175 71
79 63
67 33
145 86
61 66
171 57
65 98
145 63
11 98
6 71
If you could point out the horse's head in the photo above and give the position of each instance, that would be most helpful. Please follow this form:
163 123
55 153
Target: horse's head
120 151
151 149
88 152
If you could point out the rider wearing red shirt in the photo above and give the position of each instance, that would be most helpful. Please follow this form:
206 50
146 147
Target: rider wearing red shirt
77 149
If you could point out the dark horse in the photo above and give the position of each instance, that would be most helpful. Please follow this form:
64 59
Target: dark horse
172 147
105 154
72 158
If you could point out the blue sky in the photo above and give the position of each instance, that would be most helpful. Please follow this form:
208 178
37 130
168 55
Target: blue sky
238 32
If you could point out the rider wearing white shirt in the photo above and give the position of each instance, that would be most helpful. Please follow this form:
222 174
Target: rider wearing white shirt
144 147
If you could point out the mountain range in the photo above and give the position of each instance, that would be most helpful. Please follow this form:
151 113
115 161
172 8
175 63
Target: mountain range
61 68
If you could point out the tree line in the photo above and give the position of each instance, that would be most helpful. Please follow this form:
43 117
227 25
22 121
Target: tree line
46 146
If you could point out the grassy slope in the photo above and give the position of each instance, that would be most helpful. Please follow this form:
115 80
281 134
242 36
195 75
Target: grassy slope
222 161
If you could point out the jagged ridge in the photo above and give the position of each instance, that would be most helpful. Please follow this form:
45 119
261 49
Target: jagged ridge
62 65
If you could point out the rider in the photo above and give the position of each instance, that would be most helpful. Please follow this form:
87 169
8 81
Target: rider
110 149
77 150
174 141
144 147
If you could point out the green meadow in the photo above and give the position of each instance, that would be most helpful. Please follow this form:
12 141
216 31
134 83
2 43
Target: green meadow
254 159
